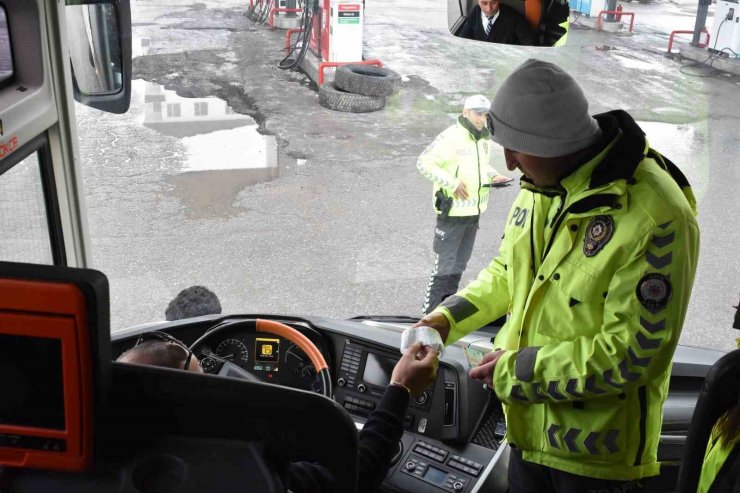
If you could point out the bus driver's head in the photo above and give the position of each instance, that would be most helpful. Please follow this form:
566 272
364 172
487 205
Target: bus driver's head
161 349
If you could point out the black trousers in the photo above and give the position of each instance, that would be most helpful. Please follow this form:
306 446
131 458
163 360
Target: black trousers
454 238
528 477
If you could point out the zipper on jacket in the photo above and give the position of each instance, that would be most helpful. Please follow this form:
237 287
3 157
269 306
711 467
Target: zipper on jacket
555 224
531 239
477 155
560 209
584 205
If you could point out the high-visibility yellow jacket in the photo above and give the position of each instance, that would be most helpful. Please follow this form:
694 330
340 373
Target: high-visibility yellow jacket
460 154
596 278
564 38
717 453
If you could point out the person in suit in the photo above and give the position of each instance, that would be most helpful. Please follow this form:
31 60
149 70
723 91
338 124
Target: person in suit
496 23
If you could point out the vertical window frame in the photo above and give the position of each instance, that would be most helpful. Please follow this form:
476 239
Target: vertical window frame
40 146
10 79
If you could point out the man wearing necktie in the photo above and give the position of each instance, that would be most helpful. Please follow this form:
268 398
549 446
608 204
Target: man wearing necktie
496 23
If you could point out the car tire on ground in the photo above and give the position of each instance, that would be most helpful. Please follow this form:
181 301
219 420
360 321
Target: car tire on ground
338 100
367 80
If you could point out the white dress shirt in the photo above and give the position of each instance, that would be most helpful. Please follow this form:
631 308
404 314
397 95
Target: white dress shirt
484 19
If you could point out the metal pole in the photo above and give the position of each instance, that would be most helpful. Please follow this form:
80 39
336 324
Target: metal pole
290 4
610 5
701 21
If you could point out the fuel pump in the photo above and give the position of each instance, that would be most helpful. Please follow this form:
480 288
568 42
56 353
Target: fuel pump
337 31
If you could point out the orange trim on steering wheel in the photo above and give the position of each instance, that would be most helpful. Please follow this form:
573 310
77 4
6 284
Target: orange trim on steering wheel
295 337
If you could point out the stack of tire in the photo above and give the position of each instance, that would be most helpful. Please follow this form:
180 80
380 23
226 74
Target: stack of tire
359 88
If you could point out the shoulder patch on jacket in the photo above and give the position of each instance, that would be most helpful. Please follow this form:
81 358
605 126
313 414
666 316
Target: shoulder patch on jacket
654 291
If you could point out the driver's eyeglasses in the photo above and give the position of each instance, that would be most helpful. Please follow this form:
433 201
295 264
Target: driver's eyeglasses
157 335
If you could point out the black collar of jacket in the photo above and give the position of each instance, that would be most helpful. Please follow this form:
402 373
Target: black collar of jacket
620 163
474 132
625 156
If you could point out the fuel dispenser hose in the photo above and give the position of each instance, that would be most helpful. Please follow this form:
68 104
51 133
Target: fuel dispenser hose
291 62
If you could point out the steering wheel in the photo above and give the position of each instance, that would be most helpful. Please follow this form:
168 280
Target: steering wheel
229 369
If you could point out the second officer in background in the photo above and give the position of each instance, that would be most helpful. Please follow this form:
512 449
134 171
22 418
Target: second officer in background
458 163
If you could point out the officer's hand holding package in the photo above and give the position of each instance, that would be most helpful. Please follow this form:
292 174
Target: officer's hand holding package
484 371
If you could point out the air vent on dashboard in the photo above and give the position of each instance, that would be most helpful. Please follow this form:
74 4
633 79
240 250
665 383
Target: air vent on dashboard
350 362
450 391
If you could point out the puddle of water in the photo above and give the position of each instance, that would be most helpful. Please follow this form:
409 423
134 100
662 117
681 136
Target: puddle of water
223 151
635 64
209 194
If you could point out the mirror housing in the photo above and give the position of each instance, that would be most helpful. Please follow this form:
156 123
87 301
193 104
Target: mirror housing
99 40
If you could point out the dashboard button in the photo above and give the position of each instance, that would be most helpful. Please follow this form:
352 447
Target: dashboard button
361 387
341 382
458 486
422 398
410 466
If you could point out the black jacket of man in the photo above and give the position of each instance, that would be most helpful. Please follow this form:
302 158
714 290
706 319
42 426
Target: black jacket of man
378 441
510 27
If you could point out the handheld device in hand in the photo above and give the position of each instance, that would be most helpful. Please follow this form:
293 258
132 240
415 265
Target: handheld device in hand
499 181
426 335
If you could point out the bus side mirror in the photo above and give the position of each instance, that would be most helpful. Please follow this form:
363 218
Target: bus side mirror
99 40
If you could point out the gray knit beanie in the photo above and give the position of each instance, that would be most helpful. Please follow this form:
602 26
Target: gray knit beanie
541 111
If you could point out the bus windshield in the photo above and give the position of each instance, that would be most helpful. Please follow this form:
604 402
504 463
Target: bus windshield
226 172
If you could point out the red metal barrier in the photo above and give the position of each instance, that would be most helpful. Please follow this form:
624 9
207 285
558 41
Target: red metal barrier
700 45
324 65
617 12
288 34
277 9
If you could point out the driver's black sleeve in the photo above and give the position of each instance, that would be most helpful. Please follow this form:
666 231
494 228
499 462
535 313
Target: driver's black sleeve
378 440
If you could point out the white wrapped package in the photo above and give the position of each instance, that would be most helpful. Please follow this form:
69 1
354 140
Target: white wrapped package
426 335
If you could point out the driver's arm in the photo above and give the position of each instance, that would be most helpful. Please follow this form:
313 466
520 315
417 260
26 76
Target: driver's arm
378 440
413 373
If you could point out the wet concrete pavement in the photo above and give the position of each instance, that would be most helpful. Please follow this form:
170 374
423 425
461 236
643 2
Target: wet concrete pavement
343 224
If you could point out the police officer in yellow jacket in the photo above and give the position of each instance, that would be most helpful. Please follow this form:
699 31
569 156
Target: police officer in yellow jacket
457 163
595 271
720 472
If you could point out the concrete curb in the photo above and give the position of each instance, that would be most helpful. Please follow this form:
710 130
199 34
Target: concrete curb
610 27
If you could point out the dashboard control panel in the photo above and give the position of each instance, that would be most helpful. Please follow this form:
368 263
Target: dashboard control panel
366 371
441 467
361 379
